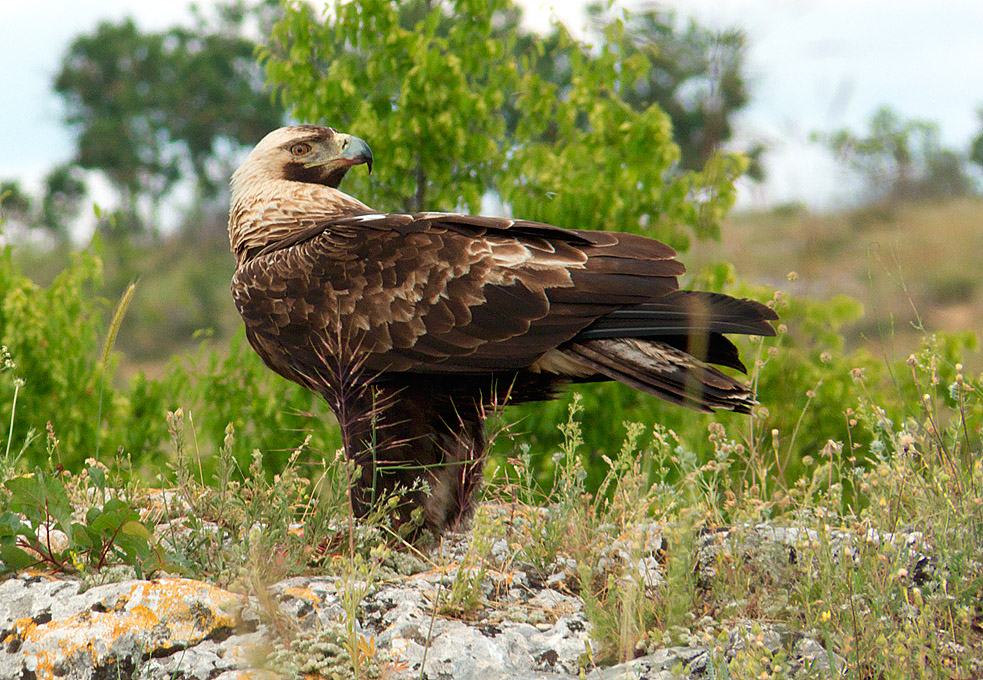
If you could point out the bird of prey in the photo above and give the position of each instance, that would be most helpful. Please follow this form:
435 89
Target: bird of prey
414 326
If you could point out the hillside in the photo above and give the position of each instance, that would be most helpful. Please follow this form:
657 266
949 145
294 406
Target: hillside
909 265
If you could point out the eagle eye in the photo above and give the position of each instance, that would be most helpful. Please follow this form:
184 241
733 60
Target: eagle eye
300 149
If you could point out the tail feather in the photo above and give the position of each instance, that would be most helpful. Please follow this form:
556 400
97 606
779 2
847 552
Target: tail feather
692 322
684 312
664 371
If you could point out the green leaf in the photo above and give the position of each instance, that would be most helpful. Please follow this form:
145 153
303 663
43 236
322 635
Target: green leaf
39 497
134 528
13 558
98 476
82 537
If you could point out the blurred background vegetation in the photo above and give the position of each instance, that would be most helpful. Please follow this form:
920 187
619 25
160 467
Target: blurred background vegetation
465 109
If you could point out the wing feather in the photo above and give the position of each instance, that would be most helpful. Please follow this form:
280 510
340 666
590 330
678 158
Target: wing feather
447 293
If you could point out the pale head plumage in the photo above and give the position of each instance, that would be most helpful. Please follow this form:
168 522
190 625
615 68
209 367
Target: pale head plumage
288 180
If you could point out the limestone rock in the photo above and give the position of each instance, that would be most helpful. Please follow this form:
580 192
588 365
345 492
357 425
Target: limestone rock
518 624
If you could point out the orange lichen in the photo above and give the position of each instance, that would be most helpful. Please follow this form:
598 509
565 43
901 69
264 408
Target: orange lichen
162 614
305 594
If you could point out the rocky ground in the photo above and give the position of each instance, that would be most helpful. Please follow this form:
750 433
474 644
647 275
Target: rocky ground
519 625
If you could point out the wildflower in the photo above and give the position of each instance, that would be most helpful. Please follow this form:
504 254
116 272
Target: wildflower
6 361
957 388
230 436
52 439
906 441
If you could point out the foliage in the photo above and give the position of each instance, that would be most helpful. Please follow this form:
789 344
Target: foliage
56 207
232 522
56 337
153 108
892 610
585 158
696 75
64 190
52 334
903 605
108 532
976 145
15 203
905 155
438 93
427 96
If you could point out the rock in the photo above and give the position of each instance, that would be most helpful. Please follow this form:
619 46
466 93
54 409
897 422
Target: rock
658 666
775 549
814 659
52 629
512 624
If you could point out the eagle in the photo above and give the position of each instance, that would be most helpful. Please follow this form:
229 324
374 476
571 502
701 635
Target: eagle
415 326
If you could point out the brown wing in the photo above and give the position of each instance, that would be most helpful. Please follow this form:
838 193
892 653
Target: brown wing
441 293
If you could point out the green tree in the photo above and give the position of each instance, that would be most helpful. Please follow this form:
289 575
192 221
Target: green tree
154 108
432 100
976 146
54 210
695 75
901 158
16 205
64 191
410 86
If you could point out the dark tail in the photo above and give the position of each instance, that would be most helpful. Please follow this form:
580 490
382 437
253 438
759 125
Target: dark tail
664 371
664 347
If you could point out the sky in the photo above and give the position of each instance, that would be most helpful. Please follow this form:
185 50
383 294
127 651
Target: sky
813 65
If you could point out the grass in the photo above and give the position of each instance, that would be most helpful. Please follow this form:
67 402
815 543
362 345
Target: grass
914 266
659 532
891 582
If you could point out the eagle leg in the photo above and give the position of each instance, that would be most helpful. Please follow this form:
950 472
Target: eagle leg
412 442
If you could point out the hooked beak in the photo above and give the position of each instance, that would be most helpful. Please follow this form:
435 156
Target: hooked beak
355 151
345 152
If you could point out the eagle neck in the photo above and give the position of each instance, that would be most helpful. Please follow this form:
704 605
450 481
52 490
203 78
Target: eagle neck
265 212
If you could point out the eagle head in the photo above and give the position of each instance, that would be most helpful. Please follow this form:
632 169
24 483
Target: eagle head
305 153
275 183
